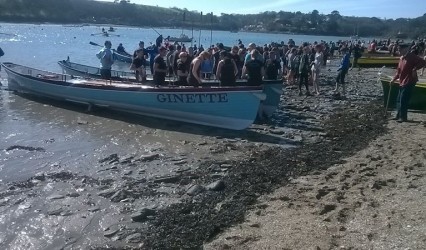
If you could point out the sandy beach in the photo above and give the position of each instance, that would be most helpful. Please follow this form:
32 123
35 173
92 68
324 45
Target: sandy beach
322 173
372 200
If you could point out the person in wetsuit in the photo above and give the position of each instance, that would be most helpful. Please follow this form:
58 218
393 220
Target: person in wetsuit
138 65
160 67
182 69
304 70
253 69
226 70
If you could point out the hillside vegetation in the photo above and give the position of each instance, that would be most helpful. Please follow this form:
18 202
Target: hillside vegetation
123 12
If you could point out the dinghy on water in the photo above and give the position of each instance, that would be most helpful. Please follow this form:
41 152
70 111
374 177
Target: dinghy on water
181 39
76 69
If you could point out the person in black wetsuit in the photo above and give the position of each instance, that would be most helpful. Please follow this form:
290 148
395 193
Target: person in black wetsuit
216 55
138 65
304 70
160 67
253 69
159 40
194 76
272 66
182 69
226 70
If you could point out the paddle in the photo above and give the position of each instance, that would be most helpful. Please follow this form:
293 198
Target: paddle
95 44
387 101
390 89
156 31
113 50
8 34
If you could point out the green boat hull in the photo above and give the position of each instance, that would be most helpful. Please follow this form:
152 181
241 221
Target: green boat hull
376 61
417 100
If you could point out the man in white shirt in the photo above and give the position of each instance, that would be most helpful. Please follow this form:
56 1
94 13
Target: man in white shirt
105 55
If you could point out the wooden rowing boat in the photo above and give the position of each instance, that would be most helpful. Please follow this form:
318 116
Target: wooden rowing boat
418 97
76 69
224 107
378 61
272 88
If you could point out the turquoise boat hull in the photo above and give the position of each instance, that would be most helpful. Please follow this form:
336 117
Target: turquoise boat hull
272 88
225 107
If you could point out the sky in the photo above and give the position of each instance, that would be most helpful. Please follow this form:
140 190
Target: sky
362 8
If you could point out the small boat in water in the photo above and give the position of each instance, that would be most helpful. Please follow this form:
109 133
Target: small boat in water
181 39
418 96
224 107
122 57
76 69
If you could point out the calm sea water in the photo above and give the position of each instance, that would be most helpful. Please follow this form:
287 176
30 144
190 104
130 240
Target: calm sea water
72 138
41 46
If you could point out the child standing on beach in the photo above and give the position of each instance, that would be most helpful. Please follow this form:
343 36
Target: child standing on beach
342 71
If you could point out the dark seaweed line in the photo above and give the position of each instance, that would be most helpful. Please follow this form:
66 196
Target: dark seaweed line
189 224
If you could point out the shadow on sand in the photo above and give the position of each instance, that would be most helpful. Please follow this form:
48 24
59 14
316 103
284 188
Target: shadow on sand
250 134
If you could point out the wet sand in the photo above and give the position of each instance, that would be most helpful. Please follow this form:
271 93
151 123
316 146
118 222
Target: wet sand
106 179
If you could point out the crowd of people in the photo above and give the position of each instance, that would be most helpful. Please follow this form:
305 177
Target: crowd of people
296 64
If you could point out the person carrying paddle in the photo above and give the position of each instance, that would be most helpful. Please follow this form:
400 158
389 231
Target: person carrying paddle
407 75
106 58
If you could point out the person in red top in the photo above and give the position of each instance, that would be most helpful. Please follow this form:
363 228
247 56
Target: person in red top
407 75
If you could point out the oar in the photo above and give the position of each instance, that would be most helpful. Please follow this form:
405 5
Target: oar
8 34
387 101
156 31
95 44
380 73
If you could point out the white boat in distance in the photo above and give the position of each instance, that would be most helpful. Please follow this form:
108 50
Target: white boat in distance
181 39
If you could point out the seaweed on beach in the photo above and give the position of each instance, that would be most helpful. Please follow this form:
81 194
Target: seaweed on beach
187 225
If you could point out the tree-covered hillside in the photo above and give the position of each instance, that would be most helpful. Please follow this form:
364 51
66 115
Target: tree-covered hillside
124 12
